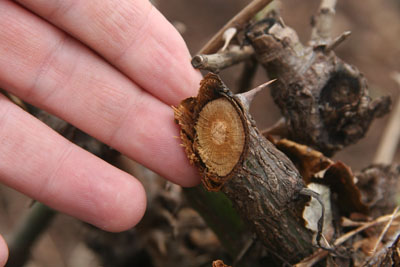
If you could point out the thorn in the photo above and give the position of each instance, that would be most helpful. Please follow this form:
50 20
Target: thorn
247 97
335 43
280 19
227 37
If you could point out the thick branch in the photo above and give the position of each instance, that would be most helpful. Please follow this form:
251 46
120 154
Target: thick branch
324 100
263 185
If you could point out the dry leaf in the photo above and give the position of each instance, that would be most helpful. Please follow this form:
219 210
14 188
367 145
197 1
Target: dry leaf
340 179
307 160
219 263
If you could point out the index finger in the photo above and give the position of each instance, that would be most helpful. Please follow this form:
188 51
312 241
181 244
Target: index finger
133 36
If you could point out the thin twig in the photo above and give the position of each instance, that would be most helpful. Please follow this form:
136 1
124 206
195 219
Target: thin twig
346 222
391 136
320 253
237 22
335 43
384 231
224 59
379 220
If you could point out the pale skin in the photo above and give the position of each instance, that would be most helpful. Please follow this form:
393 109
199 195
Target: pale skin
110 68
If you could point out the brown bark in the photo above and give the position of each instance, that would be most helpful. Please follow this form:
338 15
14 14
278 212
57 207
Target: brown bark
262 183
324 100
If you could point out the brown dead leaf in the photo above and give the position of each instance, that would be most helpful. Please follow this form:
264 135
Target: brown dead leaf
219 263
307 160
340 179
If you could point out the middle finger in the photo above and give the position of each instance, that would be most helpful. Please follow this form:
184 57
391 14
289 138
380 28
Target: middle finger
134 36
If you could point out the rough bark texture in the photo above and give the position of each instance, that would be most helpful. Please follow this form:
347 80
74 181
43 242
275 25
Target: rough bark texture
325 101
266 192
264 185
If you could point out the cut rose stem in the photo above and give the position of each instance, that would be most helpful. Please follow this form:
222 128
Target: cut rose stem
222 141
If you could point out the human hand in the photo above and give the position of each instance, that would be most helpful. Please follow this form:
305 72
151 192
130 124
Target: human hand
110 68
